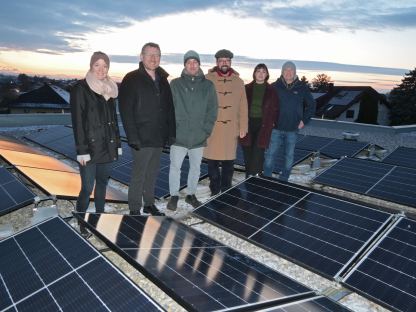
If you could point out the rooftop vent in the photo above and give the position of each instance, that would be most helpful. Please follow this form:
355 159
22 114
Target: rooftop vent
352 136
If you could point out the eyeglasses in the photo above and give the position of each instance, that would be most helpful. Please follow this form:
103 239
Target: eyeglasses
224 60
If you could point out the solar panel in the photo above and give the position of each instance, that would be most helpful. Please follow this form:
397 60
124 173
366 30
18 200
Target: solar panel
315 304
198 272
35 161
49 135
299 156
313 143
387 275
320 232
342 148
9 143
49 267
392 183
65 185
402 156
13 193
122 173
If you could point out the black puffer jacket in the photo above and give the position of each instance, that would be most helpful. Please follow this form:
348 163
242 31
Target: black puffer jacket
94 121
147 112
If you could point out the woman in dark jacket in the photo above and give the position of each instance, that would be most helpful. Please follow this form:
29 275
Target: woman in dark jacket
97 138
263 108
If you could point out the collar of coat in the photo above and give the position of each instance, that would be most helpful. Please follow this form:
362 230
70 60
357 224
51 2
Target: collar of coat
199 76
159 71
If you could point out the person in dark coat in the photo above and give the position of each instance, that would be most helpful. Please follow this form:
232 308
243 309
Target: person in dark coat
96 132
148 116
296 107
263 109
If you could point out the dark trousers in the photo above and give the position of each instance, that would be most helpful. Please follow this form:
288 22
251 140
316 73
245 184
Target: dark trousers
146 163
220 180
254 155
91 174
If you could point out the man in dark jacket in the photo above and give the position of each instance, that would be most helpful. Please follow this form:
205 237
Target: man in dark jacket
297 106
195 101
148 117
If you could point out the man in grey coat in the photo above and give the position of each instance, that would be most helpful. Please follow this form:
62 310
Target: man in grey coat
195 102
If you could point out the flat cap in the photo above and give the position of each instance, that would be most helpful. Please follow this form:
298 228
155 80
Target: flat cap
224 54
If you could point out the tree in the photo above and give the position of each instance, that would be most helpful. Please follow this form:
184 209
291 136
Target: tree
305 80
321 82
403 101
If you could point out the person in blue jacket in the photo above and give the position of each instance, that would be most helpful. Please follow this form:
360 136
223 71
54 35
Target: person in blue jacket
297 106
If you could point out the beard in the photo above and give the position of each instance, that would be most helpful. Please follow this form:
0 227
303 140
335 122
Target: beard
224 69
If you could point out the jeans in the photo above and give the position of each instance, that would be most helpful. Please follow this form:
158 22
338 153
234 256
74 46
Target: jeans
177 155
220 180
284 141
146 163
91 174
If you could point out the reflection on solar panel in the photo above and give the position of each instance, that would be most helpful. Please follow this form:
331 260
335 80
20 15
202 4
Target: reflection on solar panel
402 156
318 231
35 161
50 134
387 275
13 193
8 143
392 183
51 268
122 174
334 148
300 155
65 184
198 272
315 304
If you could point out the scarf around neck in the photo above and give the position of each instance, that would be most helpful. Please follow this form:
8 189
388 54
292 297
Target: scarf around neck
106 87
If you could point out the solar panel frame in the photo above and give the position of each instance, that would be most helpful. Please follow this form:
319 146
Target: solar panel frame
268 218
314 304
50 261
200 247
402 156
386 274
9 202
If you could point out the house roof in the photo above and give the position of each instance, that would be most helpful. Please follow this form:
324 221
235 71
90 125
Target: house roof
47 96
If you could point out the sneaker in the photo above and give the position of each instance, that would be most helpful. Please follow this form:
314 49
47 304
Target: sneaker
152 210
192 200
173 203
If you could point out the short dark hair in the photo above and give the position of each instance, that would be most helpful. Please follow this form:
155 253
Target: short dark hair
259 66
150 44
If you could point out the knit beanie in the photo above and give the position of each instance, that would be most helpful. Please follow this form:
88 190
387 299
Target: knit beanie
289 64
191 54
99 55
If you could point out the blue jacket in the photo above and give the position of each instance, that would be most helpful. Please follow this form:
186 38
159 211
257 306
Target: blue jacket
295 102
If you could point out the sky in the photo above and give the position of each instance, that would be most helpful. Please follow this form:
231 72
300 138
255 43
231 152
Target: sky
354 42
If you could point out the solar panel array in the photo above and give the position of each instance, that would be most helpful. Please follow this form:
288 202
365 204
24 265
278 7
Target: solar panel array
13 193
122 173
200 273
402 156
334 148
49 267
320 232
389 182
299 156
387 275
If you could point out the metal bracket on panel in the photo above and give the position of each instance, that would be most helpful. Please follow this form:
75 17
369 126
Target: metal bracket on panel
336 293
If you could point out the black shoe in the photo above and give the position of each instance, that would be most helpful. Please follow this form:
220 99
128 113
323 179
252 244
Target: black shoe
192 200
173 203
84 232
152 210
135 212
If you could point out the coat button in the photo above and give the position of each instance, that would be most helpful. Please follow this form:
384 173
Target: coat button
111 141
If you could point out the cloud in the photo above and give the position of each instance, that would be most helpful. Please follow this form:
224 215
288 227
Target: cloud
60 26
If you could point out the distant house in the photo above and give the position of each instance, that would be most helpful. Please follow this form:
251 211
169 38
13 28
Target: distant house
355 104
45 99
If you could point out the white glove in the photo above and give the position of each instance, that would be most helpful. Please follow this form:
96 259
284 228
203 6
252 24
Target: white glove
119 151
82 159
